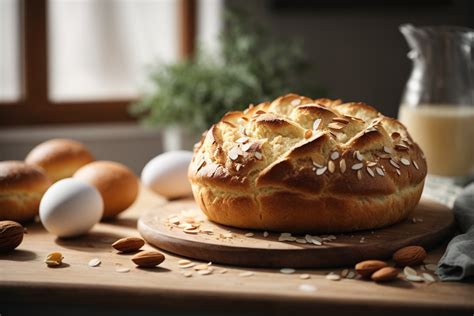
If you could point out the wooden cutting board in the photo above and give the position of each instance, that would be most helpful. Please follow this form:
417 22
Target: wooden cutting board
226 245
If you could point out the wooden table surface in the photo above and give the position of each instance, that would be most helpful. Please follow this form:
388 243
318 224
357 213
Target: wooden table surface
25 279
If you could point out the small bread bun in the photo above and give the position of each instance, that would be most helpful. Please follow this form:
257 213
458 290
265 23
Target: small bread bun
304 165
21 188
116 183
60 158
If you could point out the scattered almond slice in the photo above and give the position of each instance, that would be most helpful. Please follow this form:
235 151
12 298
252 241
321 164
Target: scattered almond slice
120 269
414 278
344 273
187 274
428 277
333 277
249 235
305 276
287 270
183 261
246 274
202 266
409 271
265 234
204 272
95 262
431 266
188 265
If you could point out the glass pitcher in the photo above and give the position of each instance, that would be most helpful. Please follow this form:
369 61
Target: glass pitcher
437 105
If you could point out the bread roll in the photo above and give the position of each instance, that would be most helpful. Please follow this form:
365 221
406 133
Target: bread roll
60 158
21 188
307 166
117 184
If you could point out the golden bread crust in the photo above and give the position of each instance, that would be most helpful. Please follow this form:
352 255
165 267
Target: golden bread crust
21 189
303 165
60 158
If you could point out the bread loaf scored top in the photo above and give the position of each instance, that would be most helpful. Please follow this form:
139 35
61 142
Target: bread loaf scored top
306 165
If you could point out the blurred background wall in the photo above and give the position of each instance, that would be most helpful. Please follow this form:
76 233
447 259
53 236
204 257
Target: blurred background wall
355 47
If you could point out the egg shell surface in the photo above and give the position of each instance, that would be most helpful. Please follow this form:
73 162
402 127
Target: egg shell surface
70 208
167 174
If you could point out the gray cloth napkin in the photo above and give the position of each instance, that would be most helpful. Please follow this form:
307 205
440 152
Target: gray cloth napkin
457 262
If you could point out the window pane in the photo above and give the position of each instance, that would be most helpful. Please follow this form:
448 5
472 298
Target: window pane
10 89
100 49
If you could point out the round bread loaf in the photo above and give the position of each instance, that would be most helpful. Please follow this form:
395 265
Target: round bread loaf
60 158
117 184
302 165
21 188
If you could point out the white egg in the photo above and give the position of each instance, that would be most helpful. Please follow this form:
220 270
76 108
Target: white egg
70 208
167 174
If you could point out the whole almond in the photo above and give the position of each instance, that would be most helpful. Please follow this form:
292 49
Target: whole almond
385 274
366 268
128 244
11 235
409 256
148 259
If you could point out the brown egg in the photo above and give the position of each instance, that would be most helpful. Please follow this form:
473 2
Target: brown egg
59 158
21 189
117 184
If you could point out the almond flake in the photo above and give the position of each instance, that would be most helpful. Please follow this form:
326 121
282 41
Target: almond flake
320 171
336 126
409 271
316 124
414 278
342 165
416 165
245 147
333 277
398 172
344 273
248 235
394 163
202 266
405 161
174 220
238 166
380 171
334 155
187 274
357 166
95 262
204 272
242 140
358 155
371 172
183 261
340 120
265 234
187 266
371 164
233 153
122 269
428 277
301 241
287 271
387 149
246 274
258 155
331 166
296 102
359 174
192 230
305 276
350 275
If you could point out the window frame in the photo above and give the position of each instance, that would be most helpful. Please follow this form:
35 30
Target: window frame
35 107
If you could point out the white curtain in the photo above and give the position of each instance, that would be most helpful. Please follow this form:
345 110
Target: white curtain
102 49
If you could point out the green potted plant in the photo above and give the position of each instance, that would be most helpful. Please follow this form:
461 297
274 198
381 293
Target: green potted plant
253 66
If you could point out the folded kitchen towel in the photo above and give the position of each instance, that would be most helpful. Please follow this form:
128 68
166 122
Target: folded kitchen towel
457 262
